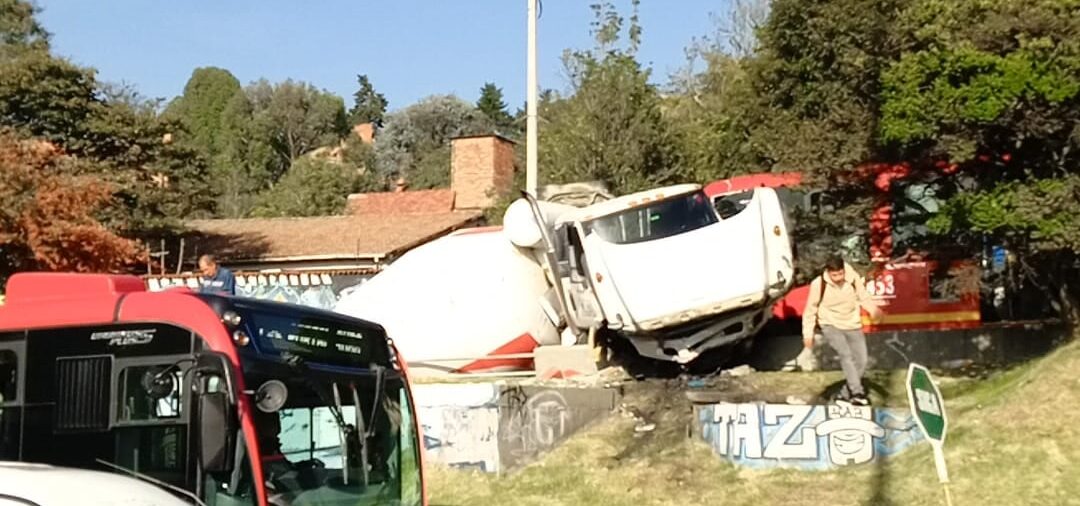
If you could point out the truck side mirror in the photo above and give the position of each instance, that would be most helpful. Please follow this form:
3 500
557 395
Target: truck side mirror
216 432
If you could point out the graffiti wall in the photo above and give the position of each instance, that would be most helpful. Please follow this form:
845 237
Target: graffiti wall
496 428
460 424
805 437
321 290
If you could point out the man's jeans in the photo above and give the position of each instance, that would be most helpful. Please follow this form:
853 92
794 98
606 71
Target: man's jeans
851 346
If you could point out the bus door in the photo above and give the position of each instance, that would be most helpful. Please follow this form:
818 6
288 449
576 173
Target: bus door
12 380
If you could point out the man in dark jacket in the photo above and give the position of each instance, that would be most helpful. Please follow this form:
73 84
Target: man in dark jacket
216 279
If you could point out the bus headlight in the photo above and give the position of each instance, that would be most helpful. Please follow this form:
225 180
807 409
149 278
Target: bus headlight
231 318
241 338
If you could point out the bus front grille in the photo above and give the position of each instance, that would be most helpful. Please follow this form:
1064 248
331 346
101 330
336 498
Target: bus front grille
82 393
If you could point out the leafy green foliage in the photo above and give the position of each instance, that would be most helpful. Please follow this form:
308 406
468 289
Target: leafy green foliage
1041 210
710 116
369 106
294 118
927 94
18 28
978 97
415 141
492 105
202 106
52 99
611 128
310 188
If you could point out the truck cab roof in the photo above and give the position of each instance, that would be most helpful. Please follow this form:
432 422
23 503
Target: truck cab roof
619 204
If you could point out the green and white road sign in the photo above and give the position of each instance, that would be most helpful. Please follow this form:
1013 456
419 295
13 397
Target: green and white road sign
927 405
928 408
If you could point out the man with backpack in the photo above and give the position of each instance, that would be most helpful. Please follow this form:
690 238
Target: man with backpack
832 307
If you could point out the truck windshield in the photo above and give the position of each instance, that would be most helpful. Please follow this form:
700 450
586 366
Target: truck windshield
657 220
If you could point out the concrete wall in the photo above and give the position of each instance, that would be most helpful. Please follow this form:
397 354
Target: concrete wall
496 428
315 290
990 344
765 436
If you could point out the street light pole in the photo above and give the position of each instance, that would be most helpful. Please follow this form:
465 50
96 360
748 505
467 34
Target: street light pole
530 107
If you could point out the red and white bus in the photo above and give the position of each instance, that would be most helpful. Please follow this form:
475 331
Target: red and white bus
221 400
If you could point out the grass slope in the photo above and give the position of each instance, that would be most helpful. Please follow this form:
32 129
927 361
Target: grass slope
1014 439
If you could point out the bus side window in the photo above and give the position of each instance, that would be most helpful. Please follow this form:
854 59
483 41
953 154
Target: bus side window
10 419
150 392
9 376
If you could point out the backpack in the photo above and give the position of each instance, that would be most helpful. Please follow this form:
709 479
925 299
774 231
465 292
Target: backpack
821 295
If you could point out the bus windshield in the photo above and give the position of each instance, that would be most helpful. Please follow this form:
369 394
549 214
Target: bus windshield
657 220
338 439
335 424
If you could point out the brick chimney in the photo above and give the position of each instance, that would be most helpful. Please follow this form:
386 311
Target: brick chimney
365 131
481 167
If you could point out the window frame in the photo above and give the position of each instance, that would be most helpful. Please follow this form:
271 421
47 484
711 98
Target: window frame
16 346
122 364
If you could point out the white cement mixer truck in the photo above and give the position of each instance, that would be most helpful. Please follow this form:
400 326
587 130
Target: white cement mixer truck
659 269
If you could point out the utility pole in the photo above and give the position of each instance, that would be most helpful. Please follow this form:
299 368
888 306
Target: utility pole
530 107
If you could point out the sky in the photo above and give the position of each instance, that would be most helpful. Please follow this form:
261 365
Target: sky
409 48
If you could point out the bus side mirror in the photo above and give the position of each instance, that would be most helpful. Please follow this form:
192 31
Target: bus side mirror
215 432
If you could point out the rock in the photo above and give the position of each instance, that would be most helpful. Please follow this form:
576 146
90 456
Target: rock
741 370
645 427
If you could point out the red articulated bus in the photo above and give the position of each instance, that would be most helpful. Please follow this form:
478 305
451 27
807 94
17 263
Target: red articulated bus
907 289
221 400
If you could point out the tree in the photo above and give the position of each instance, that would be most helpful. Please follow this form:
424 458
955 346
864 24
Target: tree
491 104
360 157
201 108
816 77
415 142
611 127
48 218
310 188
49 98
295 118
369 106
712 111
18 28
974 99
992 110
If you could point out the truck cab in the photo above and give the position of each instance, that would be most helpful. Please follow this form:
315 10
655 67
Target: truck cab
666 270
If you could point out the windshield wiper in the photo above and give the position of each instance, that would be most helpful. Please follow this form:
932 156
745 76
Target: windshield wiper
152 480
380 377
343 435
297 363
360 429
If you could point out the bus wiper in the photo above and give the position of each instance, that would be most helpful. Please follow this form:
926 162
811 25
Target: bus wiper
300 366
343 435
380 377
360 429
152 480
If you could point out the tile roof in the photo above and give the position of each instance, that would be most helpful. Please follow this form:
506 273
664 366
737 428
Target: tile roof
418 201
323 237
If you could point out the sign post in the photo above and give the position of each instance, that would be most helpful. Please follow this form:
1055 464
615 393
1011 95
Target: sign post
928 408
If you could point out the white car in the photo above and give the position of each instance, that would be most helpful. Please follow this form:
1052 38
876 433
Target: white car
24 484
